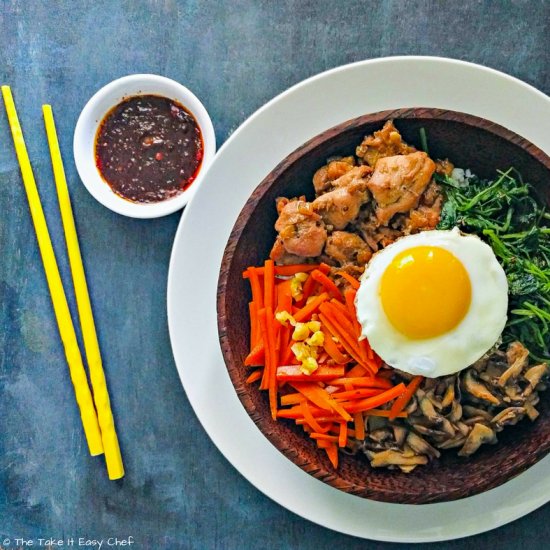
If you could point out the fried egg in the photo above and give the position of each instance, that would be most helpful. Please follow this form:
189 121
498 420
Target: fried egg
433 303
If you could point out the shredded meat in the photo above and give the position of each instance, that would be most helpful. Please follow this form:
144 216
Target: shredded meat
362 204
423 218
398 182
323 178
347 248
444 167
280 255
387 142
301 230
340 206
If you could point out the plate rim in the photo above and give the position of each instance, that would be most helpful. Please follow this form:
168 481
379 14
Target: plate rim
292 506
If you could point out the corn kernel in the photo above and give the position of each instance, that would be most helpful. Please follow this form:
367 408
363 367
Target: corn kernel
296 285
316 339
283 317
309 365
314 326
301 332
300 350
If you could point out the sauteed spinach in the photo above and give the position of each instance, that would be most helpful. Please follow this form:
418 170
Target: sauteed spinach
508 215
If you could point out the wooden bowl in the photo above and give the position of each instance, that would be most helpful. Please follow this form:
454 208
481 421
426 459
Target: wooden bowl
469 142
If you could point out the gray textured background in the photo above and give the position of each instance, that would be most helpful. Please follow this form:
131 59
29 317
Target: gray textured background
179 492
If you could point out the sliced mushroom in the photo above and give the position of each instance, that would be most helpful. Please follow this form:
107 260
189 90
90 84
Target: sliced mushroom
427 408
395 458
457 441
456 412
412 406
493 372
514 396
471 411
477 389
531 412
464 429
380 439
420 446
508 417
475 420
479 435
429 432
449 396
399 434
517 356
434 400
534 375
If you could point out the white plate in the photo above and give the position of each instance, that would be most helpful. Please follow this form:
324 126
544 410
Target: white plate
252 151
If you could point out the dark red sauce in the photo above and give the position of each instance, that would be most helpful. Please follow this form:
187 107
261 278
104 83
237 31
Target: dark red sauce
149 148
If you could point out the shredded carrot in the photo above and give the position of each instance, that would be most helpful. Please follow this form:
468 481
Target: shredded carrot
296 412
349 296
359 423
332 453
285 270
253 324
263 328
272 377
287 356
324 436
284 296
320 397
343 320
310 390
384 412
310 419
357 393
364 382
332 349
306 312
257 356
403 401
256 287
372 402
343 435
343 386
339 333
322 419
307 290
342 309
357 371
321 278
256 375
269 284
323 373
292 398
354 283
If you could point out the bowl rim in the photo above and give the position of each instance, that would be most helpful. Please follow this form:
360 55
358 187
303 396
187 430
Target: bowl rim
91 117
332 477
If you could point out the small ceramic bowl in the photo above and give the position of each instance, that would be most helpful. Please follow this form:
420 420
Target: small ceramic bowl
91 117
468 141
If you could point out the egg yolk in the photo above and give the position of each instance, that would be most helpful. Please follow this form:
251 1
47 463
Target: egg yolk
425 292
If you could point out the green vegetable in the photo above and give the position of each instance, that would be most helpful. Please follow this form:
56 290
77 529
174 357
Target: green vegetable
508 215
424 141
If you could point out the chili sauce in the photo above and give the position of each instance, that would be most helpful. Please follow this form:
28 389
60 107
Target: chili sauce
149 148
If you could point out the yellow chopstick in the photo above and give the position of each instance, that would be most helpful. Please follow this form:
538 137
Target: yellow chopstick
59 300
111 447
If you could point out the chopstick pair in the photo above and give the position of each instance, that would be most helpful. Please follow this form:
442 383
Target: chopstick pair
98 422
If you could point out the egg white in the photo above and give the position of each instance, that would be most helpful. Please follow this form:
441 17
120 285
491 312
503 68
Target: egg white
457 349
